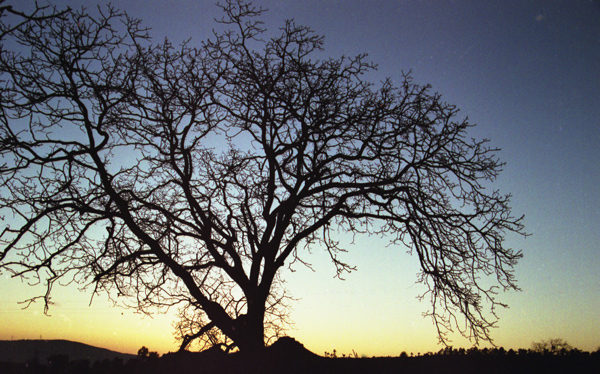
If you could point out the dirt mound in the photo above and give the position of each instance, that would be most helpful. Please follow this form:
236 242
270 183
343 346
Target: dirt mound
286 355
288 347
289 356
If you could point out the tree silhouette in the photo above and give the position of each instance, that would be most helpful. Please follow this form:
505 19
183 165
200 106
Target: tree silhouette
553 346
190 176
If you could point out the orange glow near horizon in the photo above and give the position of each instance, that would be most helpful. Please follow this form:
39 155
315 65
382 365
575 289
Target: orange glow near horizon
72 318
357 315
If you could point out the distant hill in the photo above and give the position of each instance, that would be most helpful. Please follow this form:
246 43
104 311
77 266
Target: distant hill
22 351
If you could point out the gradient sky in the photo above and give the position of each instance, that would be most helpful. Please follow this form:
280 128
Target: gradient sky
527 72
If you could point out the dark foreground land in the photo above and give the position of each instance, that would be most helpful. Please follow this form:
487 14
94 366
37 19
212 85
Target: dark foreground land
290 356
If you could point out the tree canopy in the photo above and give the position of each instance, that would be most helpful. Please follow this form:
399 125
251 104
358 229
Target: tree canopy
191 175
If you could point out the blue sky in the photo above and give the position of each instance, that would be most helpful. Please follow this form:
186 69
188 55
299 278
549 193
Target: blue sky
527 73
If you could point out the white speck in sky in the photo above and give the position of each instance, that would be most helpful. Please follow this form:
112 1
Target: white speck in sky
540 16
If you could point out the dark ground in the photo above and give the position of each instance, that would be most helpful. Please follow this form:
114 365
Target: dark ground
290 357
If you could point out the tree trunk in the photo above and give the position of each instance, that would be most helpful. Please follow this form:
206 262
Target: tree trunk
250 330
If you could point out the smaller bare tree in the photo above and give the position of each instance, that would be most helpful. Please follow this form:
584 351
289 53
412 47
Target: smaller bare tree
552 346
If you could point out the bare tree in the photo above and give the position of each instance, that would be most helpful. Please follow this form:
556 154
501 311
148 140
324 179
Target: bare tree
190 176
20 18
